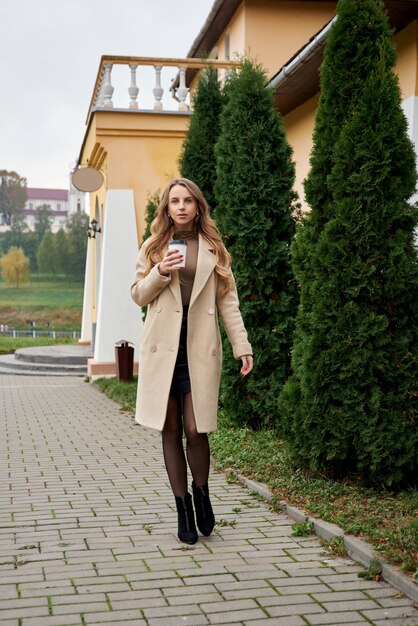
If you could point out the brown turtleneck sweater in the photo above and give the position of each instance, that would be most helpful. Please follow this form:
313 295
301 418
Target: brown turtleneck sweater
187 274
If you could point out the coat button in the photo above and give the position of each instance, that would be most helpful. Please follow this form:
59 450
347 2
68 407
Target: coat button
159 309
153 348
213 352
211 311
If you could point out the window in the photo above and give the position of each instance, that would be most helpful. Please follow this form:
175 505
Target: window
227 44
58 206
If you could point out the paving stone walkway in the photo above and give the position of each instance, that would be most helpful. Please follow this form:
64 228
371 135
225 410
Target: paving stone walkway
88 532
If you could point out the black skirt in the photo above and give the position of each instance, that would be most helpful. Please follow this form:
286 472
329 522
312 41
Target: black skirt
181 380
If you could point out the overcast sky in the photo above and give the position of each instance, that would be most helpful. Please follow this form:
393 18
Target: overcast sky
49 54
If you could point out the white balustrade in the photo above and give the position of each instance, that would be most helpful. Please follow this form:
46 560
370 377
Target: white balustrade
107 87
138 66
158 91
105 90
182 90
133 89
100 95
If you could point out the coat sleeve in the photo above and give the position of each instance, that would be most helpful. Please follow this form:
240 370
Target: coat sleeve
228 308
145 289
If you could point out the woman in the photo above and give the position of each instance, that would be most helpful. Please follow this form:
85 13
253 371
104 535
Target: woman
181 354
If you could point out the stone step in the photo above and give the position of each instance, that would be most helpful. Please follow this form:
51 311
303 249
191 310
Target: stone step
10 365
56 355
47 360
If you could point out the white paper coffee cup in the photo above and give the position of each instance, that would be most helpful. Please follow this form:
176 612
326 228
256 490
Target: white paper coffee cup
181 246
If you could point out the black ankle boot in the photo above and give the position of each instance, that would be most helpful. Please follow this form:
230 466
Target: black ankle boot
187 532
204 514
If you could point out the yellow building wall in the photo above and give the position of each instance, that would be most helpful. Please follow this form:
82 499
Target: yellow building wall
98 197
407 64
271 32
142 154
236 34
299 125
275 31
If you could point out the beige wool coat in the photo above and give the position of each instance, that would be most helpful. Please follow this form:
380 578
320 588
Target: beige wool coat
161 336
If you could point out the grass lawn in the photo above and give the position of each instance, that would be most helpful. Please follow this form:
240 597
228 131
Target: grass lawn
388 521
53 300
8 345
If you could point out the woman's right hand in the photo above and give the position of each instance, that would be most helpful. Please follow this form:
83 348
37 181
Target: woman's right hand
172 257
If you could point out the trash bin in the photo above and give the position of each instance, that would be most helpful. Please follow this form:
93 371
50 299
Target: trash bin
124 353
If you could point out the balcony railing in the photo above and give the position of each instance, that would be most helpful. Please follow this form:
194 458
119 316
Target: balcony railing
140 83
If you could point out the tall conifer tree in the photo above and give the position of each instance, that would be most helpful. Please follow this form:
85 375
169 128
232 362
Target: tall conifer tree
197 160
349 405
254 212
153 201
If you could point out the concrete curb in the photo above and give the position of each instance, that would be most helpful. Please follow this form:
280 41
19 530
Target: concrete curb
358 550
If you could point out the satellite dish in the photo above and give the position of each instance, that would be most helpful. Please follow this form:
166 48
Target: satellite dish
87 179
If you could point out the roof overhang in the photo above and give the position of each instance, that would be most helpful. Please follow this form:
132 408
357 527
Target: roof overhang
218 19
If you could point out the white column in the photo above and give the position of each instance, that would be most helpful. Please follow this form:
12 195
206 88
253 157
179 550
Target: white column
118 317
86 334
410 108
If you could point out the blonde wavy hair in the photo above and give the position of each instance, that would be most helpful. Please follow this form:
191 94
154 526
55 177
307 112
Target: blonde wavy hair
162 231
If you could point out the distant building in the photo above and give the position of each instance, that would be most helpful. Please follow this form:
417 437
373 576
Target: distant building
62 202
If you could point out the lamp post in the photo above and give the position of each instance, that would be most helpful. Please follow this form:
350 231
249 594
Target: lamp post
93 229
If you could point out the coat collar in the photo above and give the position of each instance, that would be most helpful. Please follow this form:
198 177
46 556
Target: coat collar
206 262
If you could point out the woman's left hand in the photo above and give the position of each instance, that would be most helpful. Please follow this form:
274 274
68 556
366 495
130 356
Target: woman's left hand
247 364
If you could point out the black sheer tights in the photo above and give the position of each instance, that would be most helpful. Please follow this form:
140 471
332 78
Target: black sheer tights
197 446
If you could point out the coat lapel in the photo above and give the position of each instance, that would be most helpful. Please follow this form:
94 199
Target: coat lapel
206 262
175 287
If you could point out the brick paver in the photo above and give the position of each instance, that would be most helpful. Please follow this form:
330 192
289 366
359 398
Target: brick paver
88 532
